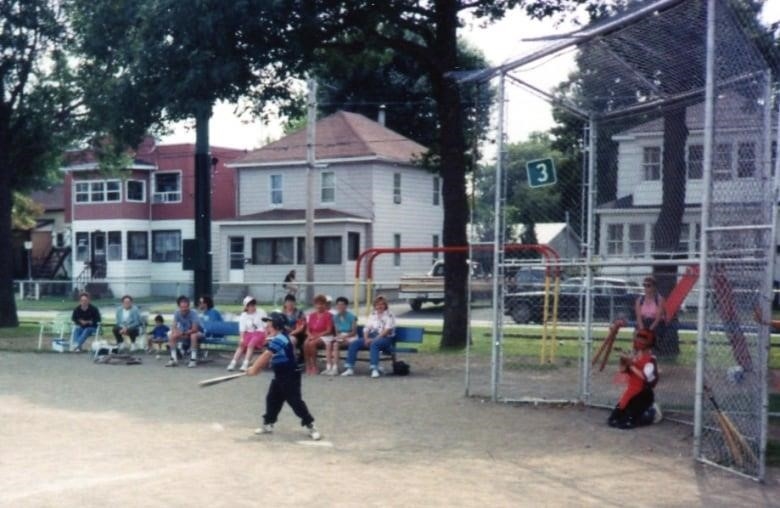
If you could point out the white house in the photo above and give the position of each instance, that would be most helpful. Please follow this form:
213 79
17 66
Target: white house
369 193
742 170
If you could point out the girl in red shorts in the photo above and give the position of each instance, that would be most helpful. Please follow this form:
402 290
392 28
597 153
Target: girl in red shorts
252 331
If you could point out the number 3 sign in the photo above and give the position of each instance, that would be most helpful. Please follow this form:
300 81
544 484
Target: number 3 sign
541 172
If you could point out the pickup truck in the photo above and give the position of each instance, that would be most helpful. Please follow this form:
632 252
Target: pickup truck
430 287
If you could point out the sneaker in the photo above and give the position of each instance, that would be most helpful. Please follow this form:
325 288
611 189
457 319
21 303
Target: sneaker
231 366
313 432
192 364
326 372
267 428
348 372
244 366
172 363
334 371
658 414
375 373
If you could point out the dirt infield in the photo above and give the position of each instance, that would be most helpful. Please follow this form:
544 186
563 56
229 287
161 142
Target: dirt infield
78 434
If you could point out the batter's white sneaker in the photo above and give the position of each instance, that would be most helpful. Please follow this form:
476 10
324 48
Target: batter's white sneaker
348 372
267 428
231 366
375 373
313 432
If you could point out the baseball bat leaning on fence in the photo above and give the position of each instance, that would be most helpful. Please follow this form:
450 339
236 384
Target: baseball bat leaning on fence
736 442
609 342
221 379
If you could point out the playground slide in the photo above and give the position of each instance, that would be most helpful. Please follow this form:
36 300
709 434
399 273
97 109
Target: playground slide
678 294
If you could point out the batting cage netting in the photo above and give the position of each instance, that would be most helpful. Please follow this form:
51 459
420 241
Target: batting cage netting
651 203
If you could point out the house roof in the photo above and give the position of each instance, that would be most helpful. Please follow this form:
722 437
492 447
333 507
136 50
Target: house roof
742 114
546 232
342 135
52 199
299 215
627 203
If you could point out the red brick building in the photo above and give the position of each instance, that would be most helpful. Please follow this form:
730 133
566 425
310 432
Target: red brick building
127 228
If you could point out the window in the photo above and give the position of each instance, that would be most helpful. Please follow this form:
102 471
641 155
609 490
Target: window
651 163
636 239
695 162
166 246
82 247
436 190
353 246
697 238
328 187
615 239
685 238
435 244
113 192
397 245
276 189
746 160
167 188
327 250
98 191
81 190
300 246
136 191
272 251
115 246
397 188
236 252
721 166
137 245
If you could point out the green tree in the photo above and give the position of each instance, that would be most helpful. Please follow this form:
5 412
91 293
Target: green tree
426 32
38 106
393 79
152 61
595 87
523 205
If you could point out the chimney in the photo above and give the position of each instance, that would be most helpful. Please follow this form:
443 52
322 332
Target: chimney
380 117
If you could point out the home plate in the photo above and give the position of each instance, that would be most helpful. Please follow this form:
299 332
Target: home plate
326 444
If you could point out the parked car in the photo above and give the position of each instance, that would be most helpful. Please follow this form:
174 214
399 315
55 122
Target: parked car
612 298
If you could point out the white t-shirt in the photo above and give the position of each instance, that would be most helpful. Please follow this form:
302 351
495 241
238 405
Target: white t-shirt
251 322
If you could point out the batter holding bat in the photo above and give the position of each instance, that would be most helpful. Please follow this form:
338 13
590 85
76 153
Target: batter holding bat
286 384
637 404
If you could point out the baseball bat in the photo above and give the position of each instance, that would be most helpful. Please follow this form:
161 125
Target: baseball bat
738 445
220 379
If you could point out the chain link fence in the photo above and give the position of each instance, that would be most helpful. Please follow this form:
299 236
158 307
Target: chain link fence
661 166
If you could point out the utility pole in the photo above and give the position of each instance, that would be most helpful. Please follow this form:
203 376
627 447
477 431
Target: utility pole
311 137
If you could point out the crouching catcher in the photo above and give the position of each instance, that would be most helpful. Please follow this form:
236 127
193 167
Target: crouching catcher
637 404
286 384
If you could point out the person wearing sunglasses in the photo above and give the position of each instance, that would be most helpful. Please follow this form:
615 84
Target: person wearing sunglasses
649 308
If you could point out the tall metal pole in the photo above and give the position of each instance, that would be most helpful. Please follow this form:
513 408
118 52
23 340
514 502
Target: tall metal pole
590 247
202 275
709 127
497 247
311 120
